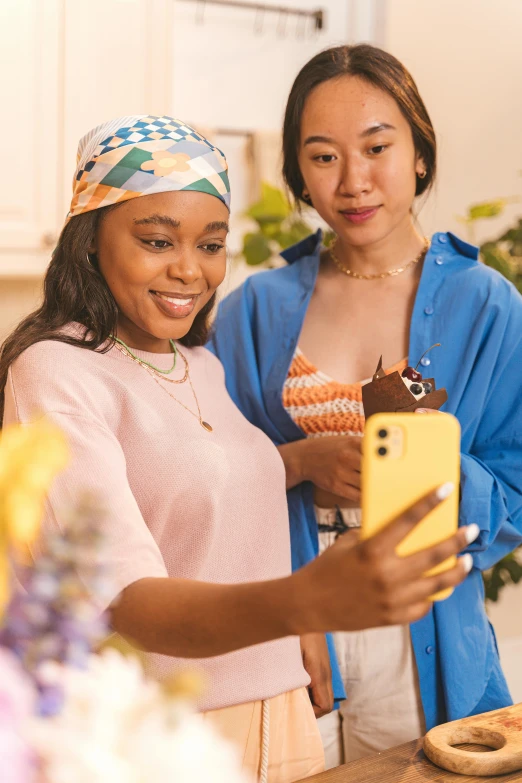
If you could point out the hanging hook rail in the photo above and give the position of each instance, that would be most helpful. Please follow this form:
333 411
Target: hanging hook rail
317 16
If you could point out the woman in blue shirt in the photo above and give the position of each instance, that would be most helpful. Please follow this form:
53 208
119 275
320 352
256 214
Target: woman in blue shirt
359 147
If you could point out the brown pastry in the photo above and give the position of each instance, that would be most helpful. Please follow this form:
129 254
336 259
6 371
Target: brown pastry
401 393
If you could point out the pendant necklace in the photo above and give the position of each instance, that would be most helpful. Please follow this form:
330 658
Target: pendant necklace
152 372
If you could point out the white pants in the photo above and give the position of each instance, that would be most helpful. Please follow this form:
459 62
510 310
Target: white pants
383 706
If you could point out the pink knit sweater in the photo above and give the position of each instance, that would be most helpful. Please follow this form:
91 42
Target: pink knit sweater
180 501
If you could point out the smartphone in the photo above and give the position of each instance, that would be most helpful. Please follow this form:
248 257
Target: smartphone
405 456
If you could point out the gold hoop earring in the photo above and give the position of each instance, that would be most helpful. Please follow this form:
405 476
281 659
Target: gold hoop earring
422 174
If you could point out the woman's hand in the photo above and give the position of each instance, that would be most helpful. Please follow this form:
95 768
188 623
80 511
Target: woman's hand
332 463
351 587
316 661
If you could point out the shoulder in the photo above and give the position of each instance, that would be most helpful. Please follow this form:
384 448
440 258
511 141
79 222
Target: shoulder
55 376
54 356
467 269
299 271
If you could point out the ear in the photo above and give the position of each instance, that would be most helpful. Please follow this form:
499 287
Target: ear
420 166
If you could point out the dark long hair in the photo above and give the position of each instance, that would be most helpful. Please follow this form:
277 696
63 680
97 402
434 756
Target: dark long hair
380 69
75 291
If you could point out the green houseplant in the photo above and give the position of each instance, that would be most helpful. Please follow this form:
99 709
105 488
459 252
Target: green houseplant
279 225
504 253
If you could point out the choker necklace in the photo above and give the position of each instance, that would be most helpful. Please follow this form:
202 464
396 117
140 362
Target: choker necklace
147 364
390 273
151 370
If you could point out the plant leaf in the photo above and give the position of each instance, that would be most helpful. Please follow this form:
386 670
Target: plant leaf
273 206
256 249
488 209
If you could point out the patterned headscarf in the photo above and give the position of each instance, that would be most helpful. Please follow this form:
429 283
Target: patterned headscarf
140 155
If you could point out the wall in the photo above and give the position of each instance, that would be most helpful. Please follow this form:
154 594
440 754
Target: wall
506 616
233 70
466 59
18 297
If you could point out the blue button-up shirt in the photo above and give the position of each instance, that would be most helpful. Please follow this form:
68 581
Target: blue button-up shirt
477 317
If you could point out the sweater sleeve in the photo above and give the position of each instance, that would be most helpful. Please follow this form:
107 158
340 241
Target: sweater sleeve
97 469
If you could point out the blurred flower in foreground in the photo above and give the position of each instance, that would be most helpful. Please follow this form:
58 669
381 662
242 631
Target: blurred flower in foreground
117 726
17 700
56 616
30 457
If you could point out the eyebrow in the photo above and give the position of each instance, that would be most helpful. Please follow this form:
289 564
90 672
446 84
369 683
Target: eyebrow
377 128
368 132
218 225
158 220
166 220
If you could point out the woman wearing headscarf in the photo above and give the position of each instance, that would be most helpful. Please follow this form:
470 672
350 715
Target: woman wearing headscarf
196 521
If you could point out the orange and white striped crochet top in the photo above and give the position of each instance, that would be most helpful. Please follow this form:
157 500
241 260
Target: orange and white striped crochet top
321 406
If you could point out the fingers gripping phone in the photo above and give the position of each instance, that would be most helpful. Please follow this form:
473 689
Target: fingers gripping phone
405 456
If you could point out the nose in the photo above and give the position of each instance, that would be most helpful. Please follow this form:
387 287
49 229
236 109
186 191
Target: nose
355 177
185 267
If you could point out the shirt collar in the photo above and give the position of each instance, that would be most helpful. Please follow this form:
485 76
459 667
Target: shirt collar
310 246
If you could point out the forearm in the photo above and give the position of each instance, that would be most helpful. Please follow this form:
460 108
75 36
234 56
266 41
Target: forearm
189 619
293 456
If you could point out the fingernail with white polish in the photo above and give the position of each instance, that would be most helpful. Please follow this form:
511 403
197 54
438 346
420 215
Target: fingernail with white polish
421 410
445 490
472 532
467 562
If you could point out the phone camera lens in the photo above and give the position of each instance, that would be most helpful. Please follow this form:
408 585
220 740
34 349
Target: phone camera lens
382 451
383 433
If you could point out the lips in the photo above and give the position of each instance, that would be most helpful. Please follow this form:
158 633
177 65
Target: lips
360 215
175 305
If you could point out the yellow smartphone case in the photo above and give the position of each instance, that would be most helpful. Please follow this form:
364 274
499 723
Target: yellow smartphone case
422 452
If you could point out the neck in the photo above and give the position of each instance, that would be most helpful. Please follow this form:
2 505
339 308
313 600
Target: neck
400 246
139 340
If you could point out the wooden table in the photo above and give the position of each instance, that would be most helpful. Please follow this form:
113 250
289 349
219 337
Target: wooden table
403 764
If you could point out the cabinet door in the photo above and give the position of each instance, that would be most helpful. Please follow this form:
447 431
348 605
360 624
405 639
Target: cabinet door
29 133
117 62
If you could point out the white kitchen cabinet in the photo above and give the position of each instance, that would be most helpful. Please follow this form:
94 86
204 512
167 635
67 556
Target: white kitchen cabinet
29 132
67 65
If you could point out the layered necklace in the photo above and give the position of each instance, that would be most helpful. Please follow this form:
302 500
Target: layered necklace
389 273
156 374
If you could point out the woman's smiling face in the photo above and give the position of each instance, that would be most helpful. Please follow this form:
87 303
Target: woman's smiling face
163 256
357 159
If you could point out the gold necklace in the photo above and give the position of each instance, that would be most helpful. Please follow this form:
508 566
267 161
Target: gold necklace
143 363
390 273
206 426
171 380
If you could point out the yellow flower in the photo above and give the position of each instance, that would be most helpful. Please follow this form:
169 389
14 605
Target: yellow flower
164 162
30 457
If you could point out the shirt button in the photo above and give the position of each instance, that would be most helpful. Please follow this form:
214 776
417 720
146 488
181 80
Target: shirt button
439 260
428 310
426 362
430 649
443 239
